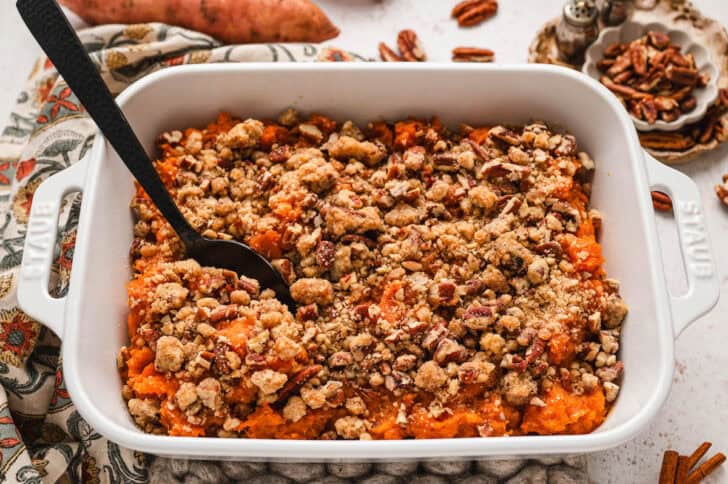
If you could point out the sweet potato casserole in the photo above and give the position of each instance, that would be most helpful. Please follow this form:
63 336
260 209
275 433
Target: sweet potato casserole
448 285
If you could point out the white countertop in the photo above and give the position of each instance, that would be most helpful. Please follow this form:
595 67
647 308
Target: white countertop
696 409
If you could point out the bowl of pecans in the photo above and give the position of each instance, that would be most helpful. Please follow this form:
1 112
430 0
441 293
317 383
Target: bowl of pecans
664 79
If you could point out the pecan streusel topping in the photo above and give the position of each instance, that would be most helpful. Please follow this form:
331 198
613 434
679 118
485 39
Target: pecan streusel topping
449 284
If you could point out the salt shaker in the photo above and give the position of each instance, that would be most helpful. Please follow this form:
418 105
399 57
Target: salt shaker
578 29
614 12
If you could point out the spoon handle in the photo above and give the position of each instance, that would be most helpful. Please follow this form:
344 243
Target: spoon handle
51 29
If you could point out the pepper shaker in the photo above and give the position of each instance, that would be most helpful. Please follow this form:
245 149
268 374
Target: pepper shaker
614 12
577 29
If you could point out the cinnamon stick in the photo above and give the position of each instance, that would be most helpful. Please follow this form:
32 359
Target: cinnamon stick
669 467
706 468
698 454
683 468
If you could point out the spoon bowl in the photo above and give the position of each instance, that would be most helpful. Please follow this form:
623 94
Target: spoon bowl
241 259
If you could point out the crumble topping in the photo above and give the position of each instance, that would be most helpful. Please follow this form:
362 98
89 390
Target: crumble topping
448 284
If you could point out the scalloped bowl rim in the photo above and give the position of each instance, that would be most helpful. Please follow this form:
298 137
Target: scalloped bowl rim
705 96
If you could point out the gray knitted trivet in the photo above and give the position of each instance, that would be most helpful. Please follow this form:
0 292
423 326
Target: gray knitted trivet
544 470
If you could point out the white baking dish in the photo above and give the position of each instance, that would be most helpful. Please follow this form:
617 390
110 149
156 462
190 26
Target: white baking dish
91 319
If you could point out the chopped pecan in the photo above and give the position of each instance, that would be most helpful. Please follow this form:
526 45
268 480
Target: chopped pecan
444 294
325 252
224 312
473 12
280 154
387 54
549 248
567 147
472 54
661 201
448 350
221 360
255 360
295 382
504 134
340 359
308 312
432 339
410 47
478 150
495 169
478 318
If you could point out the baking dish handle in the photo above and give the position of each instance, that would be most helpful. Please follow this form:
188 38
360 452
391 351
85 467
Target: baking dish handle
40 243
703 287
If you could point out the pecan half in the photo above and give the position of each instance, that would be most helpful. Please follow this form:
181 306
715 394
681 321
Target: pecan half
605 64
614 50
663 103
661 201
649 110
722 190
682 75
638 57
688 104
666 141
620 89
387 54
473 12
472 54
410 47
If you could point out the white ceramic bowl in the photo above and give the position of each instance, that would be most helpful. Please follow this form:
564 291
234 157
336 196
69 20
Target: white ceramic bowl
630 31
91 318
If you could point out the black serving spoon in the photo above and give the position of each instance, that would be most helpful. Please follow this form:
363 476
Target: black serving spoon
51 29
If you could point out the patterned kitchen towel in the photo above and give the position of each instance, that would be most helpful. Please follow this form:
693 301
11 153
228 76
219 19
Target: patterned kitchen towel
42 436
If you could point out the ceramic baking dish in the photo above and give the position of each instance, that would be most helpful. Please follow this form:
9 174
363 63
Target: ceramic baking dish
91 318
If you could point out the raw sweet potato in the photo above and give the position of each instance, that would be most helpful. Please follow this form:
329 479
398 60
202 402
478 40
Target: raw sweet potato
238 22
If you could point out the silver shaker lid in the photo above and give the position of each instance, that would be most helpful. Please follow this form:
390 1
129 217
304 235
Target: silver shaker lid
580 13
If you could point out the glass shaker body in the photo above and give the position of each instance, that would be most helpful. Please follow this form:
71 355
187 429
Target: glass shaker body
577 29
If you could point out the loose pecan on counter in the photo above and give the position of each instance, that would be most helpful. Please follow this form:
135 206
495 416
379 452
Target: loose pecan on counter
473 12
472 54
722 190
410 47
387 54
